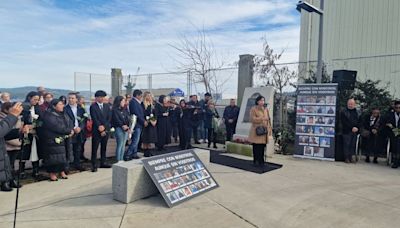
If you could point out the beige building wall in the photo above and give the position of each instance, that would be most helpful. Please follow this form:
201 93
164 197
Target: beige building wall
361 35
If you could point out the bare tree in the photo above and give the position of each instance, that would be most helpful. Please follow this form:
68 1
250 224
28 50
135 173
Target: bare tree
198 56
279 76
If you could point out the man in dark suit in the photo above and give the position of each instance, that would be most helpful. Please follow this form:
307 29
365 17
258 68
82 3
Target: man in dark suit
392 121
231 114
78 117
101 117
135 108
196 116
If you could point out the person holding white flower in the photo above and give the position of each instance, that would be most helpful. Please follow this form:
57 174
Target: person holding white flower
57 128
78 116
31 119
120 121
162 111
211 123
149 135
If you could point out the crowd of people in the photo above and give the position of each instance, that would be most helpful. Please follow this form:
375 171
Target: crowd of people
377 131
55 130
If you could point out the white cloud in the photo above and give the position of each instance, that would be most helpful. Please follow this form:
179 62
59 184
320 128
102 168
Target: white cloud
43 44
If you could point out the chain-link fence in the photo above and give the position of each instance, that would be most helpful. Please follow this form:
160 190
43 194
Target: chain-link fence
88 83
222 83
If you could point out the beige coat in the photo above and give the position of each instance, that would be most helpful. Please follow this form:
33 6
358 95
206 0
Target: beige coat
14 144
259 117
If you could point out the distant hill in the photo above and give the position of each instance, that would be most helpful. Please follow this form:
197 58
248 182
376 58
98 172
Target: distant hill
19 93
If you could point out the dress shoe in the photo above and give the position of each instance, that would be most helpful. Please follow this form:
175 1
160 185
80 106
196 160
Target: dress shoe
189 146
84 159
197 142
395 166
22 175
14 184
347 161
135 157
94 169
105 166
147 153
79 168
215 146
5 187
367 160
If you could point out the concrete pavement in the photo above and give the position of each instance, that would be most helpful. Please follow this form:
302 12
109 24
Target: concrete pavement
303 193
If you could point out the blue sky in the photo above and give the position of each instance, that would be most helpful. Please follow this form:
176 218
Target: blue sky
43 42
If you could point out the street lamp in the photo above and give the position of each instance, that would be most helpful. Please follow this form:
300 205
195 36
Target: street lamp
312 9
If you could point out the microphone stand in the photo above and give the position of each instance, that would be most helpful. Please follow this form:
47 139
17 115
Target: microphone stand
18 178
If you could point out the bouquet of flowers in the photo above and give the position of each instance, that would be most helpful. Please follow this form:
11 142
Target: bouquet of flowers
111 131
35 121
26 139
61 139
81 119
396 131
133 124
152 119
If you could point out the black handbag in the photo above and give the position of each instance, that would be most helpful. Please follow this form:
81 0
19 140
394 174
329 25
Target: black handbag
260 131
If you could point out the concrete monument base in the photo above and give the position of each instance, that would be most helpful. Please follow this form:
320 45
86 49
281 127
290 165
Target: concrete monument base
131 182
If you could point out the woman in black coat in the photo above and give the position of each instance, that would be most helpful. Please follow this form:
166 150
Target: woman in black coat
31 117
185 129
210 124
56 129
163 123
7 133
149 135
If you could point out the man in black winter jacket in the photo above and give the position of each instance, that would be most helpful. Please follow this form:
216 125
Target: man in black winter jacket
350 126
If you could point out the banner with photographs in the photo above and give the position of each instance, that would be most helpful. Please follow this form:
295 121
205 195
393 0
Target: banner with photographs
315 121
179 176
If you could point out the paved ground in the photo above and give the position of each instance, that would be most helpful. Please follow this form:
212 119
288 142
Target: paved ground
303 193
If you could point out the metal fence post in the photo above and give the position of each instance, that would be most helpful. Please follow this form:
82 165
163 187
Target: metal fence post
90 86
150 82
75 81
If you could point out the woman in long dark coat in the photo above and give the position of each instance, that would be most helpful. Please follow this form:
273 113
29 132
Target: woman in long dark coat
31 116
210 124
185 129
56 129
163 123
149 135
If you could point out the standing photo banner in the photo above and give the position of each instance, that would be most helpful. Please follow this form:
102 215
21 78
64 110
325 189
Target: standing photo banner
179 176
315 121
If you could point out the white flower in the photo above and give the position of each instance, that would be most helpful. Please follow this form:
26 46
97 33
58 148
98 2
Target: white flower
112 130
35 116
147 117
151 115
58 140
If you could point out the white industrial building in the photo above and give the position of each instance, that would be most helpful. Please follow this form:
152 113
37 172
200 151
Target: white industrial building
360 35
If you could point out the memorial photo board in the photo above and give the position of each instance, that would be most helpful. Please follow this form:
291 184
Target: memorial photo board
315 121
179 176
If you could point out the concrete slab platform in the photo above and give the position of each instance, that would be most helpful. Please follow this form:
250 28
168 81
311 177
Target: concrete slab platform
303 193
